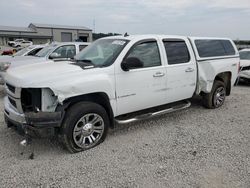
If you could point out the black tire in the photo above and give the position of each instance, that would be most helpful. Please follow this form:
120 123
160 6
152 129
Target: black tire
209 99
72 121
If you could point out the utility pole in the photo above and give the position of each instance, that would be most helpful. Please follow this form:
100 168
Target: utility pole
94 25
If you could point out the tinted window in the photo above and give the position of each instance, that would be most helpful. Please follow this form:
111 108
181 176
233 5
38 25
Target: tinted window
213 48
147 53
177 52
228 47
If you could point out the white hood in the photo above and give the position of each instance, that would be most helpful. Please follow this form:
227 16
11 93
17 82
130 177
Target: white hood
63 78
40 73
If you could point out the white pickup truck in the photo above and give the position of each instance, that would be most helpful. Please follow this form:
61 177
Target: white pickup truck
15 42
118 80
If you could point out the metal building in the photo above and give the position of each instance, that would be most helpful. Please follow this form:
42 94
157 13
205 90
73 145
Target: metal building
43 33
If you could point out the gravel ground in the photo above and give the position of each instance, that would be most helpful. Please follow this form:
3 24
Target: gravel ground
196 147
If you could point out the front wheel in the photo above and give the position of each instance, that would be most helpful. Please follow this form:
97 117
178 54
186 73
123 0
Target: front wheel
84 127
216 97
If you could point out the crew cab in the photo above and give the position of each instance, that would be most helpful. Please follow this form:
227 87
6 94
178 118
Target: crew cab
119 79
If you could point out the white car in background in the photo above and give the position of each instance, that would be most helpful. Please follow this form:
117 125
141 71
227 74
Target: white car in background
15 42
51 53
245 65
23 44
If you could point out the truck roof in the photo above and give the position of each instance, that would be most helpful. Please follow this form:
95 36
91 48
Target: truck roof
146 36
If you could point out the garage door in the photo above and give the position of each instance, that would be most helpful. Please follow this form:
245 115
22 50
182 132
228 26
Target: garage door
66 37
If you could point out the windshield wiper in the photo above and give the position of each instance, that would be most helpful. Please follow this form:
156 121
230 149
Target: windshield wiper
87 61
84 63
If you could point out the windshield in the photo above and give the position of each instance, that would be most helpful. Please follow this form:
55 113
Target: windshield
46 50
103 52
23 51
245 55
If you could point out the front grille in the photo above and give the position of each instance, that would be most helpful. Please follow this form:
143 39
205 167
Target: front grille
11 88
12 102
31 99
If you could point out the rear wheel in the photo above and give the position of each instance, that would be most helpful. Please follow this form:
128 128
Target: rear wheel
216 97
85 126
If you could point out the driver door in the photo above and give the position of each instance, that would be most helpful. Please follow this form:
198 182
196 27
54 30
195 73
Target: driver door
144 87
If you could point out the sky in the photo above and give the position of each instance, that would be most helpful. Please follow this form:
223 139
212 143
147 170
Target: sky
218 18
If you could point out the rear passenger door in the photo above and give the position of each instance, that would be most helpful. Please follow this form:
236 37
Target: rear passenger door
181 69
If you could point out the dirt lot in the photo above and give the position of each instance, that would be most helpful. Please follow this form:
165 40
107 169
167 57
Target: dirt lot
191 148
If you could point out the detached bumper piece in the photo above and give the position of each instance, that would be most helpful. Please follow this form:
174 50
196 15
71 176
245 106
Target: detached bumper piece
42 119
38 125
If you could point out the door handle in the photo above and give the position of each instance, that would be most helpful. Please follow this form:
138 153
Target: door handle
189 69
159 74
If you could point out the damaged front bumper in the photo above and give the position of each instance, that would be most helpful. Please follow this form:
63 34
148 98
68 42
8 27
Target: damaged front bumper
33 124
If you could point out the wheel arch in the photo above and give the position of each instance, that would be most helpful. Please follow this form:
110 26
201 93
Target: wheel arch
225 77
100 98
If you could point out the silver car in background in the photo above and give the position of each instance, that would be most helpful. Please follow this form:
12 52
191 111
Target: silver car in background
19 56
50 53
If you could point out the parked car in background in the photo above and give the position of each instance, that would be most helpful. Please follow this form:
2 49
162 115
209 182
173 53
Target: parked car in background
23 44
28 51
118 80
15 42
64 50
245 65
50 53
18 56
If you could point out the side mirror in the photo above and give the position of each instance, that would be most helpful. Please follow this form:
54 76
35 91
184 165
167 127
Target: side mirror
131 63
54 55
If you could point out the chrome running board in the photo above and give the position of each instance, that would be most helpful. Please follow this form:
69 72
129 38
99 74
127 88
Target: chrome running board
185 105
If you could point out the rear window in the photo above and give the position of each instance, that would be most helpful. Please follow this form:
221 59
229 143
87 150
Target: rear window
177 51
214 48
